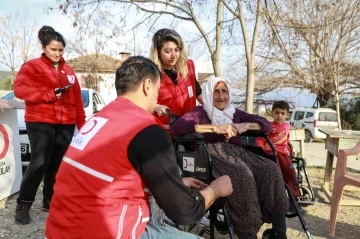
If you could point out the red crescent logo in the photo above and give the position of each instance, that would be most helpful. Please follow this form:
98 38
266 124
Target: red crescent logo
186 163
95 122
6 141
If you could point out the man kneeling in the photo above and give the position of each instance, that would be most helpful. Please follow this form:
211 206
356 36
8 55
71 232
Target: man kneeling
100 187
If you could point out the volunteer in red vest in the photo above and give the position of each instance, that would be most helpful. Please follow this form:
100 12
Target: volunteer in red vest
179 88
50 115
101 186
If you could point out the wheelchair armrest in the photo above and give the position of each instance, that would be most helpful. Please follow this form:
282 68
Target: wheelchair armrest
22 131
192 136
254 133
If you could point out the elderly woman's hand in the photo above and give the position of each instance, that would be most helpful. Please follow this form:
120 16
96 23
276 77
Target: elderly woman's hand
194 183
242 127
228 130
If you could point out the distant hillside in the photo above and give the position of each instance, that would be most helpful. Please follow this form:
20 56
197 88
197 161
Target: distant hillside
4 74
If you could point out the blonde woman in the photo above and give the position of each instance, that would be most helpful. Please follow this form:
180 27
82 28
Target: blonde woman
179 88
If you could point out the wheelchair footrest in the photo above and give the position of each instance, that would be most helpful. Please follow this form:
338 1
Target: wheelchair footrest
306 203
291 215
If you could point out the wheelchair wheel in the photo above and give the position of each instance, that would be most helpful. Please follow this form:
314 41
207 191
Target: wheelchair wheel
305 193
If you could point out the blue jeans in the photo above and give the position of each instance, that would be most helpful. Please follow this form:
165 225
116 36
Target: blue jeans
154 231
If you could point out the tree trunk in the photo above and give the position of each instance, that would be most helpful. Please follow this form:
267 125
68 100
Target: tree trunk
250 85
337 97
215 57
324 98
216 65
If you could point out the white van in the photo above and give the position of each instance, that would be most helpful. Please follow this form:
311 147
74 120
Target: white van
313 119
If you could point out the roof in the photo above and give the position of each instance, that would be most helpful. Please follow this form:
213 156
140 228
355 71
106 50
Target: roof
100 63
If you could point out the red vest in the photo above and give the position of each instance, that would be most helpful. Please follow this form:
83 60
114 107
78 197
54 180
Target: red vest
180 98
98 193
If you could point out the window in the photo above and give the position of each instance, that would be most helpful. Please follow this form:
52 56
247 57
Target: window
299 115
11 96
327 116
96 99
309 114
85 97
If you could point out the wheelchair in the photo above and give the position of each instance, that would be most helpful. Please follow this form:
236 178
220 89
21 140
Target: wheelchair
192 164
307 196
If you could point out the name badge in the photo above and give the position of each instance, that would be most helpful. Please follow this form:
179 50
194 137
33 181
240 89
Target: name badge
190 90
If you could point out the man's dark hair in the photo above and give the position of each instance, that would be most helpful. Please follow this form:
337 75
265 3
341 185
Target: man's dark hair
283 105
133 72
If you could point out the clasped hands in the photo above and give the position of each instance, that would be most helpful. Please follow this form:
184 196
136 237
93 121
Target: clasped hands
231 130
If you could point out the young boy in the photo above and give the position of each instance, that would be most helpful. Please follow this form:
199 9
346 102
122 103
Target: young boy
279 136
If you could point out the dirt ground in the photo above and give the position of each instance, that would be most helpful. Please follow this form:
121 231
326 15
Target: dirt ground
317 219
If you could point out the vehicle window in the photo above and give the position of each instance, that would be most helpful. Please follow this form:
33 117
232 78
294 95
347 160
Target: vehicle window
96 99
299 115
85 97
101 100
309 114
10 96
327 116
289 117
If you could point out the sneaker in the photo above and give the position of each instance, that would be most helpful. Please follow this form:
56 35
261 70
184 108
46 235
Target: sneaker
22 215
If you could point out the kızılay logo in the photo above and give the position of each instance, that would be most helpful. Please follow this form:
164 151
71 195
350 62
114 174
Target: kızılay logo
5 135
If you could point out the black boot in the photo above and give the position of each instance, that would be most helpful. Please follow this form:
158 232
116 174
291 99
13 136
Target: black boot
22 215
46 206
278 230
271 234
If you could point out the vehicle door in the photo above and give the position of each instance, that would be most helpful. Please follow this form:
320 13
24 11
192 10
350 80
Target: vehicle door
297 119
309 121
98 102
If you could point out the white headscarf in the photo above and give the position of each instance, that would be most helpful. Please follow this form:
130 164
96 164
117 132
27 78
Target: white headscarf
217 117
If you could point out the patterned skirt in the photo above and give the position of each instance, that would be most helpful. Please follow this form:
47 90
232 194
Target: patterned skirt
258 187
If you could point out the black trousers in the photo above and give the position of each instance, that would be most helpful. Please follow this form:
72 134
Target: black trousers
49 143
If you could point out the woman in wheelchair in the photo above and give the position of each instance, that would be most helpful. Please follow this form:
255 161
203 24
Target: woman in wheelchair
258 194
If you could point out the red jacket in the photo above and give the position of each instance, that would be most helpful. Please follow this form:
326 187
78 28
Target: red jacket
35 83
180 98
98 193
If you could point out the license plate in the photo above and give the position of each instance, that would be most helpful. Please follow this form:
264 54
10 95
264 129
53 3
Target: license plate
25 149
